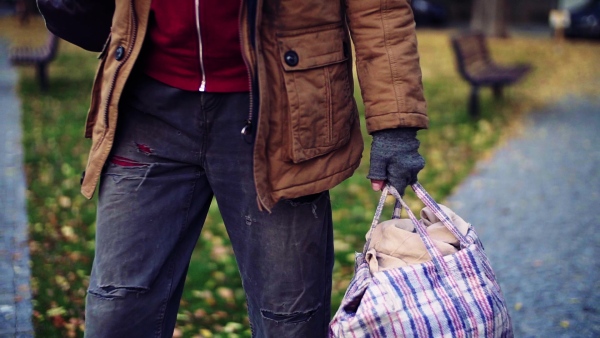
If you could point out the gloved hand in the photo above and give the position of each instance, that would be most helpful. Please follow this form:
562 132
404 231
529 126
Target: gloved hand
395 158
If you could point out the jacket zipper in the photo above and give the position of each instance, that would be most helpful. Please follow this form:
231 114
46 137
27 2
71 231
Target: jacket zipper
121 63
247 129
201 61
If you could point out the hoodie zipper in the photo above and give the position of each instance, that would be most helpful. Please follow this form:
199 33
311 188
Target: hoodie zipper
201 61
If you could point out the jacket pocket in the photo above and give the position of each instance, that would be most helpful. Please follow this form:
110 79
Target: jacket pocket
320 104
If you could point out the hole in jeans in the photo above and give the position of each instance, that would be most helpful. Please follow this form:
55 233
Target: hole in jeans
110 292
126 162
289 318
131 166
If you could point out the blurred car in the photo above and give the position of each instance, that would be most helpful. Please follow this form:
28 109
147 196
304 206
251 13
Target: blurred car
584 21
429 13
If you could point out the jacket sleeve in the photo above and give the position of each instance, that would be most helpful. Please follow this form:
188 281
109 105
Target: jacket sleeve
85 23
387 63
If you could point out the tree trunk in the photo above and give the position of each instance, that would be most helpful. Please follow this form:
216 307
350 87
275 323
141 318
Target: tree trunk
489 17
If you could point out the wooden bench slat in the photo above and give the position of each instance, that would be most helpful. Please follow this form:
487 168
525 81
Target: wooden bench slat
36 56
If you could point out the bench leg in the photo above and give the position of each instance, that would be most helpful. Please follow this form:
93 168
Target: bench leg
474 102
42 75
497 89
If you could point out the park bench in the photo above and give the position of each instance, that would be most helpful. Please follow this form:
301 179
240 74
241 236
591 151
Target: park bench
39 57
476 66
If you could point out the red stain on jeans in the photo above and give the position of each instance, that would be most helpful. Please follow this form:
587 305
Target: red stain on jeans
125 162
144 149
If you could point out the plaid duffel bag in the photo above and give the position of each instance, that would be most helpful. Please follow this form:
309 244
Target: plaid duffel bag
452 295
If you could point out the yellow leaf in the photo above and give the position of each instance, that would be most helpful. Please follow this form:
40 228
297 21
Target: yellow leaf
231 327
205 333
56 311
225 293
64 201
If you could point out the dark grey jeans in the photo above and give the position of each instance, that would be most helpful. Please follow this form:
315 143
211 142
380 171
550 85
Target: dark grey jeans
173 152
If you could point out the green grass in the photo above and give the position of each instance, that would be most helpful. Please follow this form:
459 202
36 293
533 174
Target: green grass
62 221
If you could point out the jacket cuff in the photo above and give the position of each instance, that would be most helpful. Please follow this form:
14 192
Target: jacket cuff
389 121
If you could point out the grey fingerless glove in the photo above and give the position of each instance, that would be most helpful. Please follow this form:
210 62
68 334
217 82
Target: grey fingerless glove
395 157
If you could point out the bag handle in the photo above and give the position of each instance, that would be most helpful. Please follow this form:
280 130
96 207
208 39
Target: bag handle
377 215
433 206
437 258
424 196
433 251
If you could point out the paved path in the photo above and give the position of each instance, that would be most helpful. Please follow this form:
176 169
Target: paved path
535 206
15 295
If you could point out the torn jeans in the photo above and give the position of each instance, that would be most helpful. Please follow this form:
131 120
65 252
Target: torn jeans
174 151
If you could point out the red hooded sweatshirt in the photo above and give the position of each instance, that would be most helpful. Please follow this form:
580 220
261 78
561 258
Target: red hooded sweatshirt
194 45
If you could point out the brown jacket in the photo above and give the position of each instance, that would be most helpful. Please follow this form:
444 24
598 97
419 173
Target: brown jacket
307 134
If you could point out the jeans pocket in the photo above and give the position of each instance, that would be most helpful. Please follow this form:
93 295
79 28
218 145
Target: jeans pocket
308 199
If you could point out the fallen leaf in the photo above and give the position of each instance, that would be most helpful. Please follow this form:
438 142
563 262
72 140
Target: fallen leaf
177 333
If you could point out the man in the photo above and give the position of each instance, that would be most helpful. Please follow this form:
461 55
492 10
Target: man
250 102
